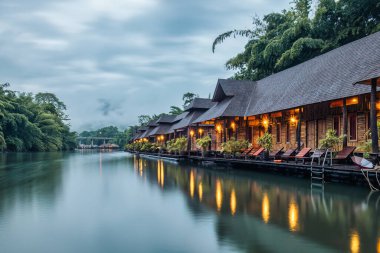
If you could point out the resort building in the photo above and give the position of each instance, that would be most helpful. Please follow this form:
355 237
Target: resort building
336 90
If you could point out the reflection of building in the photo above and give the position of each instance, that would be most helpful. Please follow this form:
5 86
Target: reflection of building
252 213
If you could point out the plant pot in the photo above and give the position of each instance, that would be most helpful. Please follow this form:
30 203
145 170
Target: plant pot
265 155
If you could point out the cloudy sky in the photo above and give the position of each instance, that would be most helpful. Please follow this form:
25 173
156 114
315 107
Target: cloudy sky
112 60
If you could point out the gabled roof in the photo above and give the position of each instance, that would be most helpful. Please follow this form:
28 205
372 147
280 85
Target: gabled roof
232 97
326 77
187 121
165 118
200 103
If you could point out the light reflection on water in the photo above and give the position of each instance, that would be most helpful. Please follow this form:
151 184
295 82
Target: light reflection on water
116 202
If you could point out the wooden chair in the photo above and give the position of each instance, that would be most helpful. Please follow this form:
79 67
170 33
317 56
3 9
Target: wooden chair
274 154
288 154
344 154
256 154
302 154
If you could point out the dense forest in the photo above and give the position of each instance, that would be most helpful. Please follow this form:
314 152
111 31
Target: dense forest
281 40
31 122
119 137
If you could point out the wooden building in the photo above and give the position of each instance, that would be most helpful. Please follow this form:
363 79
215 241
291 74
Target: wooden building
336 90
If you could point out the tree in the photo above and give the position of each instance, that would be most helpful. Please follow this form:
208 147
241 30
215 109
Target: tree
175 110
144 119
188 97
282 40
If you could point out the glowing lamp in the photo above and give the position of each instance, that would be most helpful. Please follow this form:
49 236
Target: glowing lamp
200 130
218 128
265 122
192 133
293 119
233 125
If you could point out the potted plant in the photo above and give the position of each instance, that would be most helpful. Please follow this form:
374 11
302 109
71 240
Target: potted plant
331 141
265 141
203 143
181 145
234 147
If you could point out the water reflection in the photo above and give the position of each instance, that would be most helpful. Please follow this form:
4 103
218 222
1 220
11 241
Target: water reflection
233 202
265 208
321 219
293 216
218 195
355 242
192 183
200 191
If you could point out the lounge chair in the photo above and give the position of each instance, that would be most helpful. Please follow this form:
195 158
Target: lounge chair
302 154
288 154
256 154
276 153
316 156
344 154
245 152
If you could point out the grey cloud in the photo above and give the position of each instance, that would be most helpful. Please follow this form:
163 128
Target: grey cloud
109 64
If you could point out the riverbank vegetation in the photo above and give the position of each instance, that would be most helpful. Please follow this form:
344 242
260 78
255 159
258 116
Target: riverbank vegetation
33 122
281 40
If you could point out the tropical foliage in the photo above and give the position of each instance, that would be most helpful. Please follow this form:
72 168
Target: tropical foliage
119 137
265 141
331 141
233 146
203 142
177 145
31 122
282 40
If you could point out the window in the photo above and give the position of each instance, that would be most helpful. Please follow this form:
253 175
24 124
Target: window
278 133
336 125
352 127
287 132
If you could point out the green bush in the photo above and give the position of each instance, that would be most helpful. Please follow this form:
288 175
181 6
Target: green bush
331 141
265 141
233 146
177 145
204 142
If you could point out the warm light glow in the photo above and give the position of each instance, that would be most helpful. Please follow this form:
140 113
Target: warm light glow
293 216
265 122
141 167
200 130
293 119
218 195
233 202
218 128
191 133
378 245
265 208
200 191
233 125
355 242
160 173
192 183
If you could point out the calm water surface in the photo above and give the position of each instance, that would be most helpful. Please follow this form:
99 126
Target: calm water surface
115 202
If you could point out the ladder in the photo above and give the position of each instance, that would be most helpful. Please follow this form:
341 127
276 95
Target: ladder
317 173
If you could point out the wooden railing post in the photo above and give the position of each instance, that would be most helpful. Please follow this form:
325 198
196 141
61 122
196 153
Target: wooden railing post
345 123
374 132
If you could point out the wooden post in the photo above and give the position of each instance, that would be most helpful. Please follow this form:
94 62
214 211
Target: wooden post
224 130
345 123
316 134
374 133
299 132
236 130
246 129
188 141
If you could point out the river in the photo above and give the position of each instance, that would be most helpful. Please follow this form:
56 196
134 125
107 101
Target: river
116 202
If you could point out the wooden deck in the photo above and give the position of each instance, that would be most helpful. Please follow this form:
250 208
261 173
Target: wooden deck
344 173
